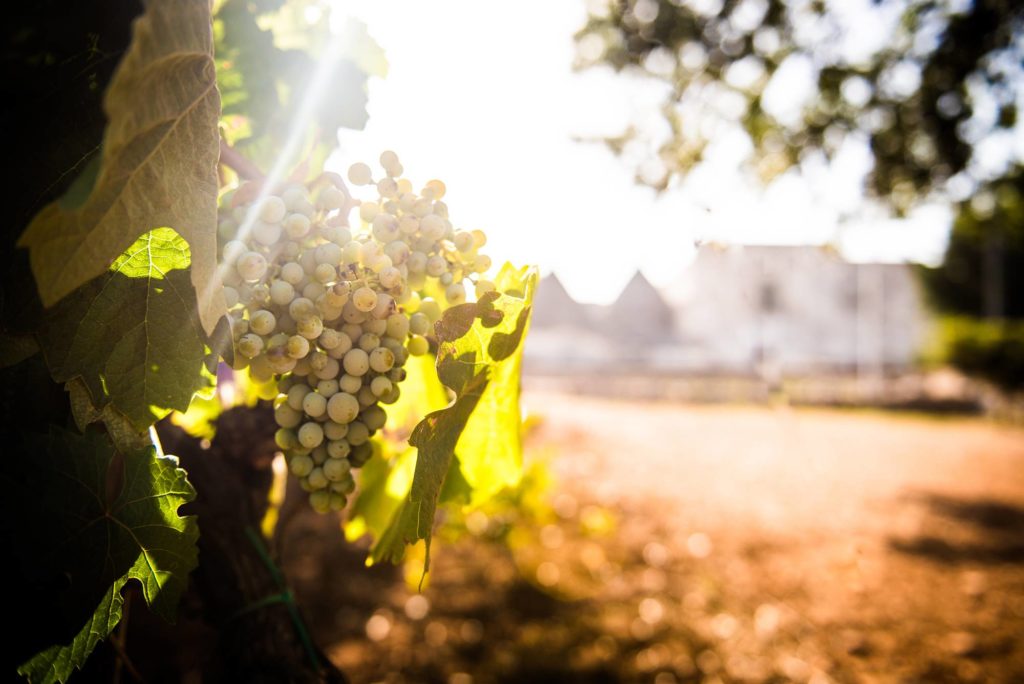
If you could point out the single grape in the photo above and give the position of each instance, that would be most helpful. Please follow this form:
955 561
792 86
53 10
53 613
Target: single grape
342 408
360 174
266 233
364 299
335 431
262 322
317 480
374 417
356 362
287 417
282 292
382 359
418 345
380 386
301 466
419 323
337 466
251 266
358 433
310 434
350 383
250 345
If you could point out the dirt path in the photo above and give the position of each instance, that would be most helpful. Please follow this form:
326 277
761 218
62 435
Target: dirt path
710 544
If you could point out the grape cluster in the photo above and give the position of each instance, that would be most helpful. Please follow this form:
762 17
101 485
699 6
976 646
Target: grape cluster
333 311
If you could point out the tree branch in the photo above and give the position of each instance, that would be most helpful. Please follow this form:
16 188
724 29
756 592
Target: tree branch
234 159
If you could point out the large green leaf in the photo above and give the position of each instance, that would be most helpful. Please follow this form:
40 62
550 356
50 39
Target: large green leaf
158 166
476 343
490 448
92 519
132 335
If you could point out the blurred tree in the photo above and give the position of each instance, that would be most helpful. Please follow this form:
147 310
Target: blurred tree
980 284
922 81
982 274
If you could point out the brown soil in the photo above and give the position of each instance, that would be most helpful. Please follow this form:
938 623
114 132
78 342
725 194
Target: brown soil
715 544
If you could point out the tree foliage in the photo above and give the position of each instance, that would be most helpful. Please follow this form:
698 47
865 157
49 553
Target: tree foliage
922 82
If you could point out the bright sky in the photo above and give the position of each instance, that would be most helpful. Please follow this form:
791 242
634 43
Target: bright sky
482 95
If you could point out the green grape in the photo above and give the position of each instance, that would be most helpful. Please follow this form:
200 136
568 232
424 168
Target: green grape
315 405
381 359
398 326
380 386
251 266
334 431
262 322
297 346
296 226
266 233
287 417
374 416
327 388
310 327
272 209
282 292
418 345
337 467
357 433
286 439
350 383
419 323
301 465
360 174
310 434
342 408
250 345
356 362
292 273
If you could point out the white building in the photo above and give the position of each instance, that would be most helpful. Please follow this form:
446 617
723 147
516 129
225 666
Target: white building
741 309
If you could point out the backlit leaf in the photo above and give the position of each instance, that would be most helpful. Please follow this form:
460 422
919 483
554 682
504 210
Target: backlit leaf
158 165
92 519
468 338
132 335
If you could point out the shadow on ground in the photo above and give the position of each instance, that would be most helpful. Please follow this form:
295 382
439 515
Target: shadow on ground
960 531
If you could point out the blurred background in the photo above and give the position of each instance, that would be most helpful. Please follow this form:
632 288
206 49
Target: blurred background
773 375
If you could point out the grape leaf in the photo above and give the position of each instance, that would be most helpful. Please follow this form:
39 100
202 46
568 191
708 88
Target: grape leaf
122 433
158 165
384 482
132 335
490 448
477 345
91 519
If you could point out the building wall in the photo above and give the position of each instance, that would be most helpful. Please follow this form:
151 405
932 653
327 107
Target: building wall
770 310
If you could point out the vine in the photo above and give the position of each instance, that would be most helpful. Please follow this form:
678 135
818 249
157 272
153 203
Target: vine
143 316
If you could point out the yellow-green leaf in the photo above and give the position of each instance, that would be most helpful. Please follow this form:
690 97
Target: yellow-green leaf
132 335
158 166
476 344
92 520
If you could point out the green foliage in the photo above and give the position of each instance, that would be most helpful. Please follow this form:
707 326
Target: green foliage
476 342
992 350
91 518
265 56
158 165
914 98
132 335
982 273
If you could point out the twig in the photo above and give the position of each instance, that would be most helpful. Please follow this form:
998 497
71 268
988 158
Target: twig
234 159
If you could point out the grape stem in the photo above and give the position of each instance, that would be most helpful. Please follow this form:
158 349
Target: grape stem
242 165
